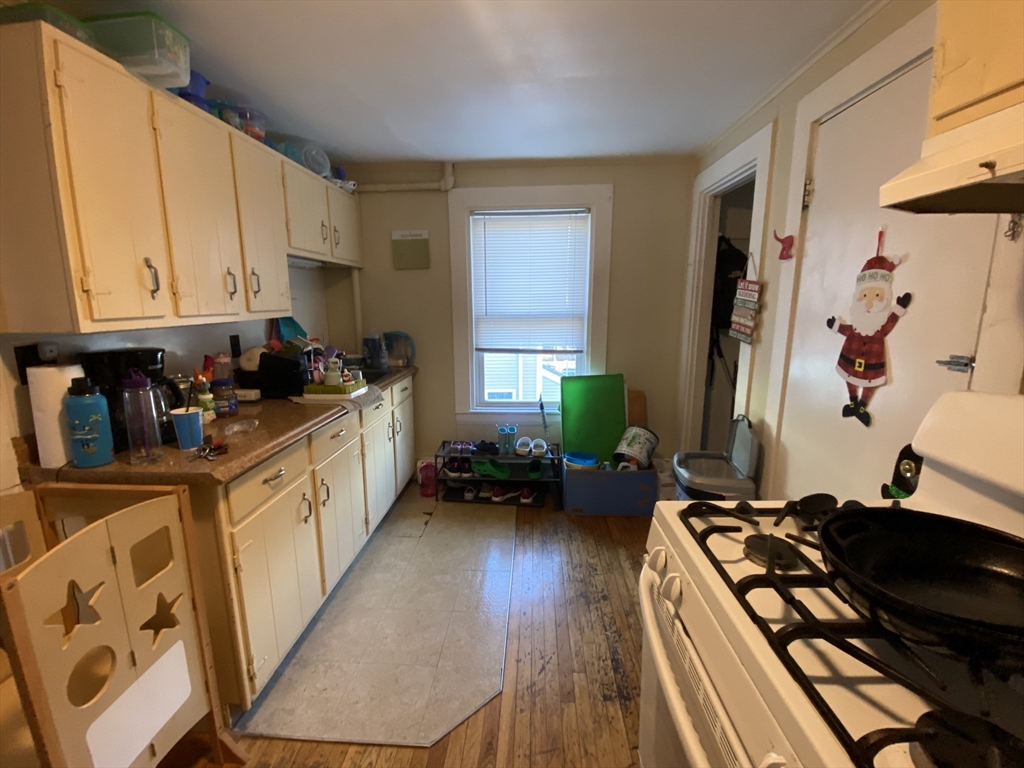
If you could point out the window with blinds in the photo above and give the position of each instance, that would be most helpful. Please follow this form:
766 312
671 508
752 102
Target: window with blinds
530 273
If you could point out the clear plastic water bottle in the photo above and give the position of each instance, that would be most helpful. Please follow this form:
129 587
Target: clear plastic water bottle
140 415
92 442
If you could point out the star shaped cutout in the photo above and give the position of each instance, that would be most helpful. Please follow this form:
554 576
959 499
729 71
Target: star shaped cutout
76 611
164 617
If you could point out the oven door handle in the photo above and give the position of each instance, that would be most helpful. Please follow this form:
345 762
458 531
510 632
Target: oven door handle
695 754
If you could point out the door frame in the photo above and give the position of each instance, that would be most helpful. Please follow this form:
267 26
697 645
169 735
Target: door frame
906 48
751 160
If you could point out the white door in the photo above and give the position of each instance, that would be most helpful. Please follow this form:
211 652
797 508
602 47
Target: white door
405 450
344 213
943 264
254 583
386 476
371 471
261 216
115 181
306 202
202 216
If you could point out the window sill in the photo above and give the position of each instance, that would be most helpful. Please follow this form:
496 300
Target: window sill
520 416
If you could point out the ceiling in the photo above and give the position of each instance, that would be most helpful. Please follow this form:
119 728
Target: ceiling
477 79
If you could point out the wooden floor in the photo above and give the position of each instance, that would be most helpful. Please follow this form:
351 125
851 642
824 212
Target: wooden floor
571 695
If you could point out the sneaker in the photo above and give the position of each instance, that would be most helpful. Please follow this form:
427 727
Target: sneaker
503 493
452 468
528 495
467 468
470 493
486 490
486 447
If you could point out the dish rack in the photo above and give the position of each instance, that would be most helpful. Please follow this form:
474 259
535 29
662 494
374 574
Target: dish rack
550 480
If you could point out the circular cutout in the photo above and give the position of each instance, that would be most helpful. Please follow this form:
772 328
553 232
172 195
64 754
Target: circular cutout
90 676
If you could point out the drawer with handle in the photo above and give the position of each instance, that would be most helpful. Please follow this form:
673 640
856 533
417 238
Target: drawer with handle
331 438
401 391
260 483
374 413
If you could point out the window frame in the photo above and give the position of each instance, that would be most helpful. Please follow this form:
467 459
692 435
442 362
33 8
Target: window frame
462 202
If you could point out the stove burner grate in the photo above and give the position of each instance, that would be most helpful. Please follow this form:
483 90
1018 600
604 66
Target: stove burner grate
837 633
756 546
947 739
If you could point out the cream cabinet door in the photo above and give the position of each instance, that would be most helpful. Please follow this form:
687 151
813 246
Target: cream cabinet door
115 184
405 448
307 549
254 583
328 490
279 524
202 216
344 213
384 469
372 466
349 495
356 490
306 202
259 189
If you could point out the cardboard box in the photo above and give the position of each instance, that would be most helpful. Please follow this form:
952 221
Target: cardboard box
600 492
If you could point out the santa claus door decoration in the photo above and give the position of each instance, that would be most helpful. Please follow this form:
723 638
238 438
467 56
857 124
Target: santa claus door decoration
873 315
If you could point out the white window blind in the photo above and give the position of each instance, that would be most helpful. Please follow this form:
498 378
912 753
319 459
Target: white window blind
530 277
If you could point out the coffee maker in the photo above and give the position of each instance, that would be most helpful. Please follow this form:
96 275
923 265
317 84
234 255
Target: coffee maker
109 368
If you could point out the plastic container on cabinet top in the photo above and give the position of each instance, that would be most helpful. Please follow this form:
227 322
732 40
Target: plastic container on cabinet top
253 121
13 14
145 45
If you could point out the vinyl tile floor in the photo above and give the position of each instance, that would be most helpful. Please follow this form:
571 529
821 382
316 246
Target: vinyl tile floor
411 642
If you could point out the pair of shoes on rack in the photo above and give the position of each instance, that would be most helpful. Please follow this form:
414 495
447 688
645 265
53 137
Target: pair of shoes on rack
527 447
458 467
526 495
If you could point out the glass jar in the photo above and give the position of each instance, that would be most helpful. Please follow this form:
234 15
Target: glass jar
225 401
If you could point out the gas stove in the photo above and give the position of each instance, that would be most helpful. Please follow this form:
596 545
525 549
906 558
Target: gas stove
799 675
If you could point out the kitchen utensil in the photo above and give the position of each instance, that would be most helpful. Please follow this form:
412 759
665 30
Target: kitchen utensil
188 425
934 580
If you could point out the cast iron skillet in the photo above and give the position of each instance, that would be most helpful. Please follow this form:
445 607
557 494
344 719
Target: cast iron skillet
934 580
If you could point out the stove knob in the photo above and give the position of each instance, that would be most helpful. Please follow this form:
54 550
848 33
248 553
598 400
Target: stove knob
671 589
657 560
771 760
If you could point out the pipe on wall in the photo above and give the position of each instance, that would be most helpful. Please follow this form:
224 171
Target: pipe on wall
445 184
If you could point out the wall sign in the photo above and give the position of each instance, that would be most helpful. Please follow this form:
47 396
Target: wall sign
744 312
410 249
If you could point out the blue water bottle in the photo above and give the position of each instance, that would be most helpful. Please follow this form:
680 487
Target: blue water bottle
92 442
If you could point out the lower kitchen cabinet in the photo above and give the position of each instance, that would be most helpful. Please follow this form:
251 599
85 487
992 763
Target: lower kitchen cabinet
405 444
379 469
334 490
286 529
356 494
252 570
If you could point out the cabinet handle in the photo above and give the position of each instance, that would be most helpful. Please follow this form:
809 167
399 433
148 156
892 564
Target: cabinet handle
391 431
234 284
326 487
398 426
255 279
154 275
276 476
309 504
404 389
378 406
323 230
338 434
337 236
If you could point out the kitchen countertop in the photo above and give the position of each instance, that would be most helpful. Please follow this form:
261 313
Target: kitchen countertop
281 424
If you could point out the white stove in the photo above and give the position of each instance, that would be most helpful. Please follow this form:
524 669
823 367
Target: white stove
746 665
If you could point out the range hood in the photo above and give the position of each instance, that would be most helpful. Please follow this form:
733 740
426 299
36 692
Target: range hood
976 168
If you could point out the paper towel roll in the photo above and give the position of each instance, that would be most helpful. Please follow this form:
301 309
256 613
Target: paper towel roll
47 388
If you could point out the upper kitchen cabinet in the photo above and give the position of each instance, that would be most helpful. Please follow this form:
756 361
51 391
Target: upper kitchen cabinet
979 61
344 221
305 196
82 217
261 214
202 217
